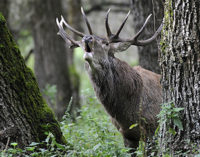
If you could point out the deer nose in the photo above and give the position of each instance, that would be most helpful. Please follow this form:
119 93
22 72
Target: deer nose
87 39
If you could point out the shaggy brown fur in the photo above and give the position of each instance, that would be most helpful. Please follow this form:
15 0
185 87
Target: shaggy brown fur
128 94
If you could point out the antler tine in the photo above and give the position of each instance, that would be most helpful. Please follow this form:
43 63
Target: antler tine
134 40
148 41
109 33
72 43
70 28
141 29
86 21
122 25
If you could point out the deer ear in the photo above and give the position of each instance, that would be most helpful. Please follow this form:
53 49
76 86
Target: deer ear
119 46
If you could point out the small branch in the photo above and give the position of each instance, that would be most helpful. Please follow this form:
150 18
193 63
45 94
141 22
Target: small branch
8 141
28 55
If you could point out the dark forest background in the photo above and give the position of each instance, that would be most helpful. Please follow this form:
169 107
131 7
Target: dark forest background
65 85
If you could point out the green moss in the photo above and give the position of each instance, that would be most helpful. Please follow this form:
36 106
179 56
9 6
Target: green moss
23 83
168 15
163 46
168 21
2 19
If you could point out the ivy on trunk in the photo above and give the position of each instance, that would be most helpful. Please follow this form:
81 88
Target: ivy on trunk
180 68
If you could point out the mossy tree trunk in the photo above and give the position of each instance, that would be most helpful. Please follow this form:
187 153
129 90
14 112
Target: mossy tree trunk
180 64
148 55
51 65
24 115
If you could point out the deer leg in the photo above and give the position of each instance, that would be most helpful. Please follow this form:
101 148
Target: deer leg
131 143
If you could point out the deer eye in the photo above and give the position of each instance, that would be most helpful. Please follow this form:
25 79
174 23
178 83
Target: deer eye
106 43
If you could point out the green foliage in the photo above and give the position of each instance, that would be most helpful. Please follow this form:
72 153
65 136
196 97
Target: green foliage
93 134
47 148
133 126
14 144
141 151
169 115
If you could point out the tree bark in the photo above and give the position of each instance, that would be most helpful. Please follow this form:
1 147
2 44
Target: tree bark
75 20
180 64
4 7
51 65
148 55
25 117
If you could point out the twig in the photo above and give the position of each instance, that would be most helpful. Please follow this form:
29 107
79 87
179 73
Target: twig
28 55
8 141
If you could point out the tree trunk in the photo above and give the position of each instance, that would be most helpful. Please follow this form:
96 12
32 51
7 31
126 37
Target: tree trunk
148 55
180 64
50 53
25 117
4 7
75 20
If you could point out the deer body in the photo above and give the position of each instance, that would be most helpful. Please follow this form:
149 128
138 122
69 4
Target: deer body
129 95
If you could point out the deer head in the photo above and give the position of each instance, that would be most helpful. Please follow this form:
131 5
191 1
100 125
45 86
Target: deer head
98 49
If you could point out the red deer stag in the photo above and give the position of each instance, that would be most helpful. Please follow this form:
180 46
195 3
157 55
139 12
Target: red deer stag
127 94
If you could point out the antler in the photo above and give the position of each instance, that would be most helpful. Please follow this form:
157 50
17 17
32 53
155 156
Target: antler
71 42
122 25
112 38
109 33
134 41
86 21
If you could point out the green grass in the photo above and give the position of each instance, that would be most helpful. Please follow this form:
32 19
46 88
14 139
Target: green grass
93 135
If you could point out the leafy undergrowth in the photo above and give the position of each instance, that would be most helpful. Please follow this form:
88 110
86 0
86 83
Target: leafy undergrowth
93 134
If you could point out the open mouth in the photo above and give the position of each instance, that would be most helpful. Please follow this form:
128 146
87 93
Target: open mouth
88 52
87 47
88 43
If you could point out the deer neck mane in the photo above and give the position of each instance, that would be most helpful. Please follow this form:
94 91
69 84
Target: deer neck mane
117 85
